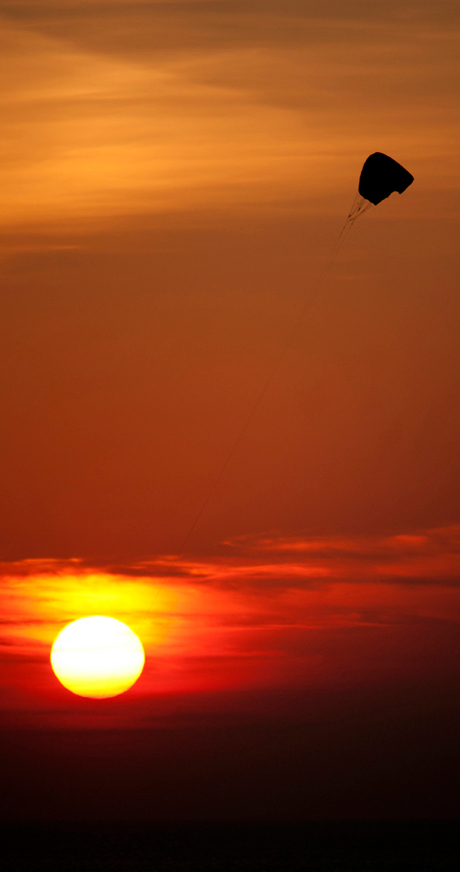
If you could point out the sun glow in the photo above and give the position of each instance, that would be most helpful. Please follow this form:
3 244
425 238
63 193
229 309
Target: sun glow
97 657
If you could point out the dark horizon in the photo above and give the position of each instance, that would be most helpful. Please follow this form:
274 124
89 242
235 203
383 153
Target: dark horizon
349 847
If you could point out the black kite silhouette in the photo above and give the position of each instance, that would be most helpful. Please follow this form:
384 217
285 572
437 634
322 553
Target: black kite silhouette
380 177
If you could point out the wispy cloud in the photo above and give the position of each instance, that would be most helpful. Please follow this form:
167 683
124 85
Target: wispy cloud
428 556
288 574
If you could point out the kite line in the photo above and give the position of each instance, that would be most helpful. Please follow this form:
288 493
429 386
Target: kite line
356 210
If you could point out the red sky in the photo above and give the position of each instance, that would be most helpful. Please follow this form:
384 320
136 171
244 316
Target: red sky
174 177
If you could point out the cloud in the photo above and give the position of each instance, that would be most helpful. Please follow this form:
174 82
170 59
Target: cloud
87 133
272 582
295 562
427 542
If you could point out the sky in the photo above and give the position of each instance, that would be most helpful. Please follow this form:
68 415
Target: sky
173 182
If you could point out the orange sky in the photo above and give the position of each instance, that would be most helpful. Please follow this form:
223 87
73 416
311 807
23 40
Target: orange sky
174 177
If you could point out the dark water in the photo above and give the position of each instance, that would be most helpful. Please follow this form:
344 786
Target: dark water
197 847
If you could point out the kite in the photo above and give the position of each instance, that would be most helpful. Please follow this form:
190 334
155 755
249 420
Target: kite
380 177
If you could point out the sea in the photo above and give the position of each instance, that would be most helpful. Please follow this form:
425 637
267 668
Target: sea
333 846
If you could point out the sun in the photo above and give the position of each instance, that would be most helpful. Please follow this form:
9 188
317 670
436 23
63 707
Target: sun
97 657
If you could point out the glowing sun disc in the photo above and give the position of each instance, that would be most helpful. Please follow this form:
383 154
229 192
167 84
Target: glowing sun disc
97 657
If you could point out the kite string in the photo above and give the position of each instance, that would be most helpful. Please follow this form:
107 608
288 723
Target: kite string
358 207
274 369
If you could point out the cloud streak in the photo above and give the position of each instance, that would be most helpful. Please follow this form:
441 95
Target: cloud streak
427 556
